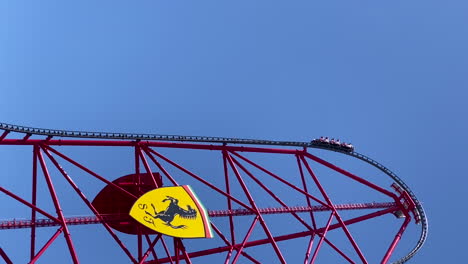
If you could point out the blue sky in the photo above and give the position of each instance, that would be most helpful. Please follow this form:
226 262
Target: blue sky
390 76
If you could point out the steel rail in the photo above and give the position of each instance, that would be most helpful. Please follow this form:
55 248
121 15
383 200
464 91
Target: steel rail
419 213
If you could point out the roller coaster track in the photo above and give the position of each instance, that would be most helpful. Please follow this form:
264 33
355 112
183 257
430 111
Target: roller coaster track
419 213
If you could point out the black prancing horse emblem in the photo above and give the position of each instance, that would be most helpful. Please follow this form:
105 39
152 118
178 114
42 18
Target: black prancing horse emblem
168 215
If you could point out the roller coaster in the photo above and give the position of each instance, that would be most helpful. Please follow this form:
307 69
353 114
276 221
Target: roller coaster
235 246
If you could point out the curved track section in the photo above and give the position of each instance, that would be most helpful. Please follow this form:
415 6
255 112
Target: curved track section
419 213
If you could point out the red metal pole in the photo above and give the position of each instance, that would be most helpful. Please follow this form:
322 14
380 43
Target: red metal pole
159 144
281 179
147 167
252 202
184 252
338 217
289 236
312 218
3 136
309 249
89 204
150 248
350 175
33 201
46 245
161 168
246 238
226 241
304 185
118 188
200 179
176 251
5 256
27 136
57 207
338 250
396 240
12 195
228 190
138 182
270 192
218 232
314 256
167 251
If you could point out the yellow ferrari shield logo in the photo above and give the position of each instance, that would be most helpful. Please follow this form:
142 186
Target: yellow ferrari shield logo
173 211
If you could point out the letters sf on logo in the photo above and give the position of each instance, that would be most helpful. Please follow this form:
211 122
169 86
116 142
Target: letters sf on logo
173 211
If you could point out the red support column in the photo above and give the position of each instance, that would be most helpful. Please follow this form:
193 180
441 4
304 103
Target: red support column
90 206
309 249
118 188
137 181
161 168
322 237
200 179
350 175
176 251
184 251
255 209
338 217
147 167
57 207
270 192
229 203
150 248
33 201
304 185
281 180
169 257
396 240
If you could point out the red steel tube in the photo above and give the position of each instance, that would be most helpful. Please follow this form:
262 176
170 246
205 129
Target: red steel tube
395 240
12 195
322 237
350 175
252 202
200 179
3 136
338 217
33 201
289 236
53 194
147 168
165 172
90 206
338 250
281 180
118 188
304 185
46 245
270 192
249 232
229 203
5 256
150 248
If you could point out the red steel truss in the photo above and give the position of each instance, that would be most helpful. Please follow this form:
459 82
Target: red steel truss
240 172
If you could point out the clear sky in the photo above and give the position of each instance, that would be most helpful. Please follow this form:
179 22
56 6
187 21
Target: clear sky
389 76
